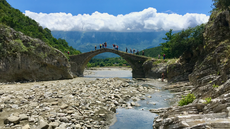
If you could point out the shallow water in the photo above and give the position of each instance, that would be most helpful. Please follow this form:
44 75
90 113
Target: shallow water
110 74
138 117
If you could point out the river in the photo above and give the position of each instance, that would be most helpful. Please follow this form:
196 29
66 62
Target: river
137 117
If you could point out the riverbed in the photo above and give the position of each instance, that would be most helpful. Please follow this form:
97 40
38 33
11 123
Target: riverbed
84 102
138 117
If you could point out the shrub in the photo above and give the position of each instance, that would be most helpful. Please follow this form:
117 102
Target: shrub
208 100
215 86
187 99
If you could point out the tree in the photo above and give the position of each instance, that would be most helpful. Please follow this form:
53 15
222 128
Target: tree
221 4
176 44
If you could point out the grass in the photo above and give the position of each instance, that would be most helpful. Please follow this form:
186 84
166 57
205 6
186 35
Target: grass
168 61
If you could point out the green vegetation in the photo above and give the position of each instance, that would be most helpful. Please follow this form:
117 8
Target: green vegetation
176 44
221 4
117 61
215 86
168 61
153 52
187 99
19 22
186 40
208 100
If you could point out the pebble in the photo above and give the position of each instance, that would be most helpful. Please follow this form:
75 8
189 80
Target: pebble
71 104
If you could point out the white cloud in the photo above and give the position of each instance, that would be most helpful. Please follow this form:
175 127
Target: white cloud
146 20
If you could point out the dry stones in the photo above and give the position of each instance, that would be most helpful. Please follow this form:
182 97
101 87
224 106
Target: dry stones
12 119
70 105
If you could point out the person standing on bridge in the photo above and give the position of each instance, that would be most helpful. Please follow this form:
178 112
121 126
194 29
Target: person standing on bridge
131 50
143 53
100 46
117 47
105 44
113 46
126 49
95 47
137 52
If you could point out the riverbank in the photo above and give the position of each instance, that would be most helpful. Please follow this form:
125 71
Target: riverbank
79 102
200 114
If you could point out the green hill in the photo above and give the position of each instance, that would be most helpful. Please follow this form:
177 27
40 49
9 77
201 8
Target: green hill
152 52
19 22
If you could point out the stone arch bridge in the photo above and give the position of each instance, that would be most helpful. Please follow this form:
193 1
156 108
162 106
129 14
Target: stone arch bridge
79 62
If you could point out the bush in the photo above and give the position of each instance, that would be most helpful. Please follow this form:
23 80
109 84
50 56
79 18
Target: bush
215 86
208 100
187 99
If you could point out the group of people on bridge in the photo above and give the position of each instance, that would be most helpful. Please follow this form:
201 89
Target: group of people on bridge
134 51
104 45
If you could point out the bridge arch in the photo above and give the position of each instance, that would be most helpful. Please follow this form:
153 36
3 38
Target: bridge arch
79 62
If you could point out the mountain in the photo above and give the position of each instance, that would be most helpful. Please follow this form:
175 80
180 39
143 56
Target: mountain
86 41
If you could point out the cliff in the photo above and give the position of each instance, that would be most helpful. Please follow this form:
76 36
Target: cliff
212 68
208 70
23 58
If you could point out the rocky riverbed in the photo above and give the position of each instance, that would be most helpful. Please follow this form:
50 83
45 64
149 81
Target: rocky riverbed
75 103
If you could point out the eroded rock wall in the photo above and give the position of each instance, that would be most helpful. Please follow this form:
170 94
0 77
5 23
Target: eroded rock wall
210 79
213 69
23 58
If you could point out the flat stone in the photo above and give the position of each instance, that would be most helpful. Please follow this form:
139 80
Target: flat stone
78 126
53 124
43 124
132 104
23 117
102 115
64 119
12 119
54 103
64 106
27 126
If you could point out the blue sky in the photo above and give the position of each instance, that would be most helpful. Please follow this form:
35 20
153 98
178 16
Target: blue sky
115 15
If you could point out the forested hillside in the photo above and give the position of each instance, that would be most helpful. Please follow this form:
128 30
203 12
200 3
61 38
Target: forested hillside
117 61
152 52
186 40
177 43
19 22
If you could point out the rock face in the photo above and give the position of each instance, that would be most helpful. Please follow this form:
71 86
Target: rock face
212 69
154 70
210 80
26 59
